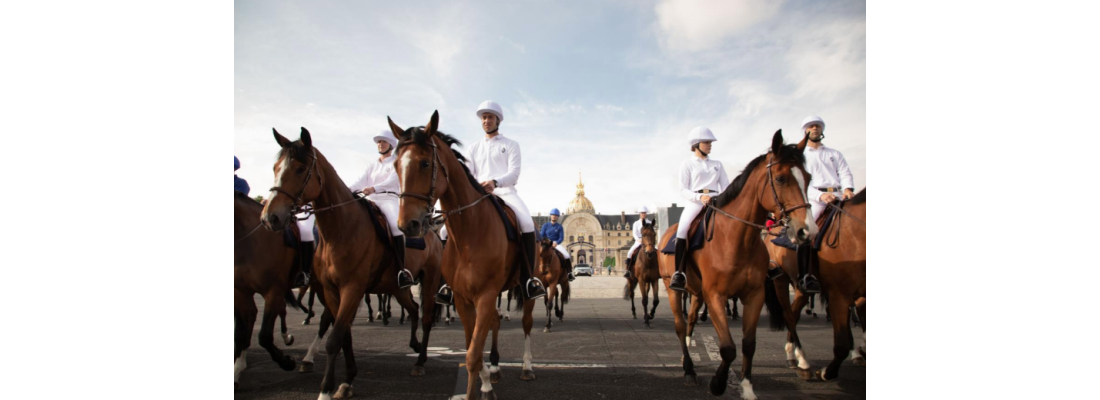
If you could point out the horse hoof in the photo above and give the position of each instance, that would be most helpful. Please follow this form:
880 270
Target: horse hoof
418 370
527 375
288 340
385 322
490 395
343 392
820 375
306 322
507 318
859 362
804 374
792 364
287 364
495 377
305 367
560 320
448 322
546 330
691 380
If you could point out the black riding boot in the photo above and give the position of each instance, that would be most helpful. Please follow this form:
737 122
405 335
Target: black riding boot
679 280
629 267
532 285
775 273
305 252
404 277
569 268
806 281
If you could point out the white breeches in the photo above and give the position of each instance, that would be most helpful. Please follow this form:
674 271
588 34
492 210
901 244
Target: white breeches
637 244
511 198
691 209
561 249
390 206
817 207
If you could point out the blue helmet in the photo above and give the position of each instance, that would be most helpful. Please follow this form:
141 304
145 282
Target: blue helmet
555 212
236 163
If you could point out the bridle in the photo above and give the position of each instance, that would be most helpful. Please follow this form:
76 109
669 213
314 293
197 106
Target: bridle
430 198
296 207
782 215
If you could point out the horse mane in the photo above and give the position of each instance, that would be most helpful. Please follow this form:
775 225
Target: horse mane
787 154
859 198
418 136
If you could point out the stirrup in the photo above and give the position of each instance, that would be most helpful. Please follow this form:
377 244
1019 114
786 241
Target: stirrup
538 289
775 273
809 284
404 279
445 296
301 280
678 284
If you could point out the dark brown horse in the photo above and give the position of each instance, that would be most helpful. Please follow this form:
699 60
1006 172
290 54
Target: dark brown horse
424 264
645 272
479 261
353 258
843 272
262 263
549 270
734 262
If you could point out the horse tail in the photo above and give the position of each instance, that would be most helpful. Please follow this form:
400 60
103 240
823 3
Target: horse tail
629 288
293 301
519 294
565 292
775 310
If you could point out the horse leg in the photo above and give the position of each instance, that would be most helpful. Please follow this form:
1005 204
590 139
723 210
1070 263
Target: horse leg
370 310
528 320
681 333
697 302
559 307
842 337
287 338
468 313
344 308
274 304
427 298
656 299
405 300
244 318
548 301
309 315
475 363
859 353
326 321
796 357
644 286
706 310
726 347
754 303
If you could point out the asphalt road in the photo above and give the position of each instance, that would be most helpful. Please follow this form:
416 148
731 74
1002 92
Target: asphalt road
598 352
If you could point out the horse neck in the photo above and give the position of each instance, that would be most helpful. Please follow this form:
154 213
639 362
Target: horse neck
334 224
747 207
460 192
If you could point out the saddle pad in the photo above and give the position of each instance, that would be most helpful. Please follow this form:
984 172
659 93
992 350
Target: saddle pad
696 235
823 222
378 220
415 243
509 228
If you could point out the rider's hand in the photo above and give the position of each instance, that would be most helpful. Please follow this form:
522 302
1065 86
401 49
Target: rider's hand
848 194
488 186
827 198
705 199
368 191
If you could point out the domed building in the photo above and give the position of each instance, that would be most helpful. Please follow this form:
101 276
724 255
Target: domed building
593 238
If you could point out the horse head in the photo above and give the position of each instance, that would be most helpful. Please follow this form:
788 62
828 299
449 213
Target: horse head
419 169
649 239
785 174
298 180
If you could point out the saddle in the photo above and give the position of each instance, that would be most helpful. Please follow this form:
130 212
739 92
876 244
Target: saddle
696 235
382 227
824 221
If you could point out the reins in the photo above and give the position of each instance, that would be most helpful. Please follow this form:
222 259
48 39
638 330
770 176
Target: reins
782 217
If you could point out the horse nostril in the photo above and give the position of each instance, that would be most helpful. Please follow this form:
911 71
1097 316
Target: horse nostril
273 220
803 234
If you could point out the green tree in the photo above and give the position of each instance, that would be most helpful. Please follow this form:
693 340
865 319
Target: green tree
259 199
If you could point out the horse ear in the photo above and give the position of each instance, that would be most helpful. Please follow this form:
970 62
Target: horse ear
777 141
433 125
306 139
397 131
802 143
280 139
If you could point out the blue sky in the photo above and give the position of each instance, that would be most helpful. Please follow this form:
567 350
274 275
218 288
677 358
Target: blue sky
607 88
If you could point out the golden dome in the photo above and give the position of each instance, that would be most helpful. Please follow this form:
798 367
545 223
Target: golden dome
580 203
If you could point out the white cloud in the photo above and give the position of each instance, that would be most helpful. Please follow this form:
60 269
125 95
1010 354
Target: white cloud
829 59
704 24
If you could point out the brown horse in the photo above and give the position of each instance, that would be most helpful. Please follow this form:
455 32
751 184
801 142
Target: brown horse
646 272
479 261
843 272
787 260
263 264
353 258
549 270
734 262
424 264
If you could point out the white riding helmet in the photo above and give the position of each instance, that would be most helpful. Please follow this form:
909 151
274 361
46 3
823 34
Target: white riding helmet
489 106
811 120
643 209
701 134
387 136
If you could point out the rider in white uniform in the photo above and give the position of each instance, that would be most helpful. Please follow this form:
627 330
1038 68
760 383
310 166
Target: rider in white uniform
701 178
642 211
829 176
379 184
495 162
306 247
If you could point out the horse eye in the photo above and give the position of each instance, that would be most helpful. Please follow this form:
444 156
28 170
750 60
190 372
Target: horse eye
781 180
423 164
300 170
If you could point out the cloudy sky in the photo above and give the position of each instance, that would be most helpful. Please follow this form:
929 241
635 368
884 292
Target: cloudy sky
607 88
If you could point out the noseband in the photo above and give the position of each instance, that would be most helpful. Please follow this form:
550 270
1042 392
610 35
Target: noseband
430 198
297 206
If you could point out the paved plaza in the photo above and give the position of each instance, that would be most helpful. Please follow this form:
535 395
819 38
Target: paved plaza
598 352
